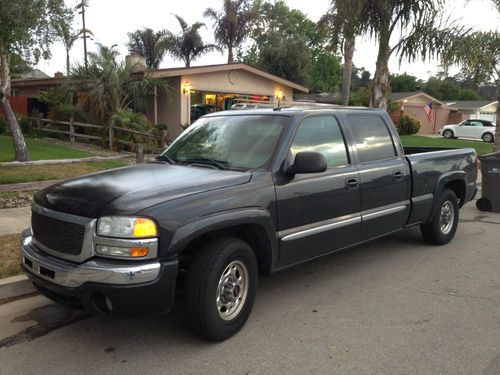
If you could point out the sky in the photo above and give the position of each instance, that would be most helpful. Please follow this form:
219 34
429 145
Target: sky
110 20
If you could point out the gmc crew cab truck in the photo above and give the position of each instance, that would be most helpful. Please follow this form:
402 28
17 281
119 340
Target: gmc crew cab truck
238 194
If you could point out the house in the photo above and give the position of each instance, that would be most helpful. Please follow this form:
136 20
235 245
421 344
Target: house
476 109
212 87
413 104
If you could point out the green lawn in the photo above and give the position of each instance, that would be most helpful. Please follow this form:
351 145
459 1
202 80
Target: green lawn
419 141
30 173
39 150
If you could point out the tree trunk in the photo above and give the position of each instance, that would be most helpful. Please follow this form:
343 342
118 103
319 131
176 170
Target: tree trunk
20 149
349 44
380 86
496 147
67 62
230 57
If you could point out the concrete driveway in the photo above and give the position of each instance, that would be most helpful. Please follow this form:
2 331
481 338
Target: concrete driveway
395 306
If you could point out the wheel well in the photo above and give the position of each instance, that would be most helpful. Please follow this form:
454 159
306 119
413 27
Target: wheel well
459 188
253 234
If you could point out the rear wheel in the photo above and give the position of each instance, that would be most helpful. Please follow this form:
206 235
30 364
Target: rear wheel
488 138
448 134
220 288
443 225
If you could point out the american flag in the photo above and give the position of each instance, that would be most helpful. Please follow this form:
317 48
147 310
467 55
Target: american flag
428 110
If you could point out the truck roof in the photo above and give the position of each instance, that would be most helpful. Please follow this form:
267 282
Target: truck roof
293 110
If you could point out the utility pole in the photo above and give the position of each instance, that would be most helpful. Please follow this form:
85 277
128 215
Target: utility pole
82 5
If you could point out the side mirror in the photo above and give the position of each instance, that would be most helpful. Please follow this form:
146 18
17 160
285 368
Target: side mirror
307 162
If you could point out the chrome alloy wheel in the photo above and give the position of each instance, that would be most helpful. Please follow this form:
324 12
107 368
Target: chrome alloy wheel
232 290
447 217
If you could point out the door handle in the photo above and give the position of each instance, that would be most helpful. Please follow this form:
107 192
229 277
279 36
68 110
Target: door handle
351 183
398 175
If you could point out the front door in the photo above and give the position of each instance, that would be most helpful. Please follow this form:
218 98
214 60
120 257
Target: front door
319 213
384 176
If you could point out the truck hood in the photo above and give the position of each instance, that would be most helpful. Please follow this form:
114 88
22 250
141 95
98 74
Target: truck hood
131 189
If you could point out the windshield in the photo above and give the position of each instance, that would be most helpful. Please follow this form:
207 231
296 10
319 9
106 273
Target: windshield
229 142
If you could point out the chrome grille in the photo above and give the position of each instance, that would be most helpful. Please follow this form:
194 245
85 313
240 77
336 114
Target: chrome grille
57 235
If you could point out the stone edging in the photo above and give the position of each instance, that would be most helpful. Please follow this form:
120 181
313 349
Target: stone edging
62 161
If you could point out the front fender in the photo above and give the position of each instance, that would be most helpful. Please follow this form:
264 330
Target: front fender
225 220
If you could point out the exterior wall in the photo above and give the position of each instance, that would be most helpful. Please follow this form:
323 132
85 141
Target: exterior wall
457 117
439 118
174 107
19 105
169 107
30 92
236 82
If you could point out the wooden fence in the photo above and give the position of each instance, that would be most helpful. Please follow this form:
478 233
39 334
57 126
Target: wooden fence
108 138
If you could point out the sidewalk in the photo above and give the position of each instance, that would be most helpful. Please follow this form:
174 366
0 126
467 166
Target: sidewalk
14 220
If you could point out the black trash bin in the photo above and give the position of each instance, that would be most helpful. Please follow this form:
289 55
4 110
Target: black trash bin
490 189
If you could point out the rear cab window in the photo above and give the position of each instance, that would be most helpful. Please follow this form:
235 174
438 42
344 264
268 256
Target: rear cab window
372 138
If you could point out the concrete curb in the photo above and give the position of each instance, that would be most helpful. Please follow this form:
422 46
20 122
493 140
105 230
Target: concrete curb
15 286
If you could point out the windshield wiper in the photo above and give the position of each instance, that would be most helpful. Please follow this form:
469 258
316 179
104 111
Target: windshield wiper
166 158
221 164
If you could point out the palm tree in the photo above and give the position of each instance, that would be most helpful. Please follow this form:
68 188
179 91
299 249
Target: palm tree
421 33
232 24
343 22
107 86
187 45
149 44
68 38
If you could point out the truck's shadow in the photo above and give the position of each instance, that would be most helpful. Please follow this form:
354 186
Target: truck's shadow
274 296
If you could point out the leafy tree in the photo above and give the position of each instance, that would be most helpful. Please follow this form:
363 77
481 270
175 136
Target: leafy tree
149 44
478 54
324 73
404 83
232 23
27 28
285 42
468 94
187 45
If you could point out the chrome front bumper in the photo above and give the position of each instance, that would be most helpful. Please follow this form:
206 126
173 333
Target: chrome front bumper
68 274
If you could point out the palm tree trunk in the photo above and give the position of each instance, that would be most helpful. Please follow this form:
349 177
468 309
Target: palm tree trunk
20 149
67 62
349 44
380 86
230 57
496 147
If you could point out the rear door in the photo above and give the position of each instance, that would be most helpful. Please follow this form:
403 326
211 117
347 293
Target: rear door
384 175
319 212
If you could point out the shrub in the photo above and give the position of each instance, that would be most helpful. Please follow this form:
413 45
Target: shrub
407 126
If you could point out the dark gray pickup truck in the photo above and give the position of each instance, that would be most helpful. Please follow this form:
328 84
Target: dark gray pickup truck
238 194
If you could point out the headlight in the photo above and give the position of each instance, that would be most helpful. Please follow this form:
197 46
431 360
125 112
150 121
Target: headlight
126 227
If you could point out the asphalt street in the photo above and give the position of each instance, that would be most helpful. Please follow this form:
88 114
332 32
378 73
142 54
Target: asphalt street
394 306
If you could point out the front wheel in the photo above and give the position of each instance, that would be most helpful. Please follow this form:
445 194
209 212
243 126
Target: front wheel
488 138
220 289
443 225
448 134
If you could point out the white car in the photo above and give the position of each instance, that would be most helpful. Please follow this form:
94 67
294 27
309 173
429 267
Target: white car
474 129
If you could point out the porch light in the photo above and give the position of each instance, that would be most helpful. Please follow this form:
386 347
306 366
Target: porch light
278 94
186 88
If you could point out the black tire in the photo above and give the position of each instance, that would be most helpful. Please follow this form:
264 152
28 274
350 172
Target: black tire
448 134
488 138
433 231
202 288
